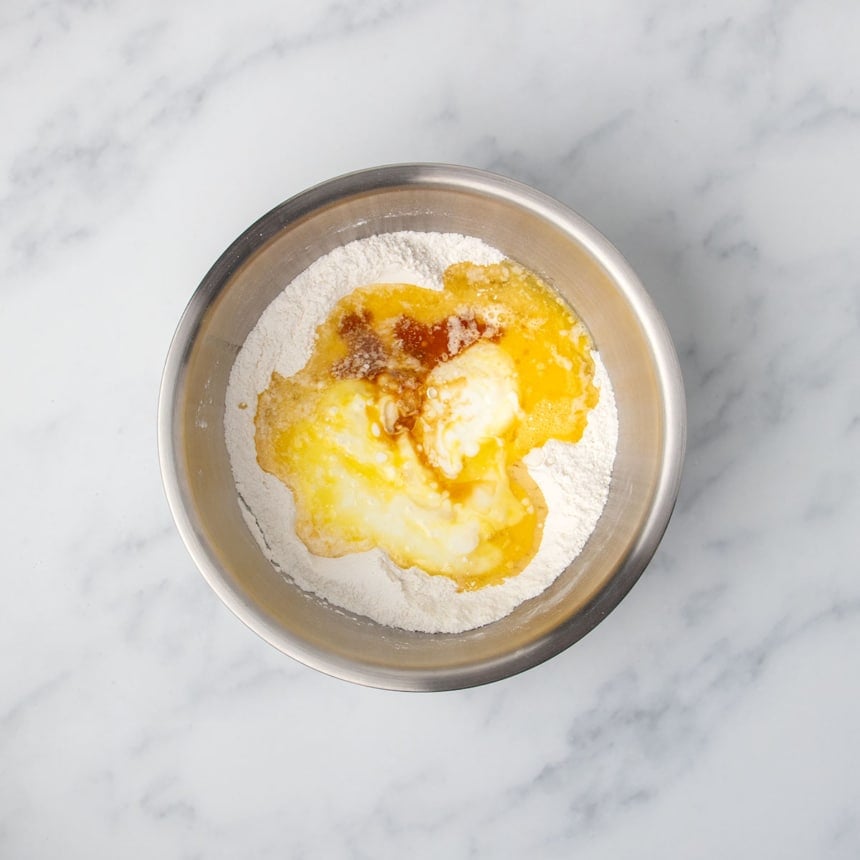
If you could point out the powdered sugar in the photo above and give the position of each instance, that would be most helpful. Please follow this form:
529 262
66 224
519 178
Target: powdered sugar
573 478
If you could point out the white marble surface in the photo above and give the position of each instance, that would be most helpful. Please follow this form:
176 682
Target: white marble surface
715 713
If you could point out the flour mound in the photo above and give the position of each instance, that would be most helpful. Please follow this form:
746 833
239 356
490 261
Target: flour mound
574 478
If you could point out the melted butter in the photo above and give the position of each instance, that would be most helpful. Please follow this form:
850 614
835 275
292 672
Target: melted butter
406 429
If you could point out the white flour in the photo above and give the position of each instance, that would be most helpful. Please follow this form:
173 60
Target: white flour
573 478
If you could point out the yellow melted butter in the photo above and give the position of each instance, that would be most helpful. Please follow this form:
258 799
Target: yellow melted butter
359 482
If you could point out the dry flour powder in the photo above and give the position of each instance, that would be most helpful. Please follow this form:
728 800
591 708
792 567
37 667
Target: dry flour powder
574 478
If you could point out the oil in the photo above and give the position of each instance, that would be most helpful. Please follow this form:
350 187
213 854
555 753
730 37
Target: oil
406 429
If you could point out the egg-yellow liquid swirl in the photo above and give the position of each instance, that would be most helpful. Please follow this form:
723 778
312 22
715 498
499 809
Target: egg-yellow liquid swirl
406 429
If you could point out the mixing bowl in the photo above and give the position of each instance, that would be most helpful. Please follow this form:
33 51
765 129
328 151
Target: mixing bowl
542 235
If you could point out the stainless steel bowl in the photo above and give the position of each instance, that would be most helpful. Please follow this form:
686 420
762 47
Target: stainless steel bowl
525 225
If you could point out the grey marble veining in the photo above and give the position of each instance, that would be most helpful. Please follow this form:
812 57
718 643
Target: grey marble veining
714 713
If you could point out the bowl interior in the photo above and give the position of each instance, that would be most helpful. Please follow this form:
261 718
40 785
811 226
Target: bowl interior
525 226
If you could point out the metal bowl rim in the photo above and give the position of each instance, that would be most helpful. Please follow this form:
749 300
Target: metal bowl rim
474 180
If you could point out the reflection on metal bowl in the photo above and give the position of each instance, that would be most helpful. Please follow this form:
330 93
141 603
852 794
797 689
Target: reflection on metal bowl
526 226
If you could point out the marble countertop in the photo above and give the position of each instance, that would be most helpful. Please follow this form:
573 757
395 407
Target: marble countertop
715 713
